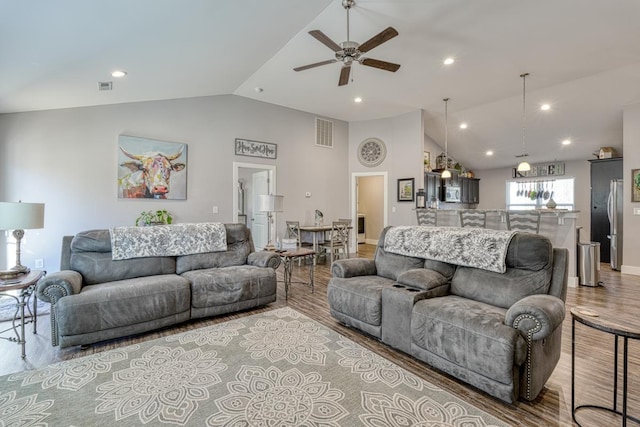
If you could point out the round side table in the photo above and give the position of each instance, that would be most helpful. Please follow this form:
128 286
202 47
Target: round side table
608 323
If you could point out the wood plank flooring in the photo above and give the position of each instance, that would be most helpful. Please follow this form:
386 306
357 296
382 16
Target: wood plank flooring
594 367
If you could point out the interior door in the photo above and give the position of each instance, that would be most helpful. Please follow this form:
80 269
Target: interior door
259 220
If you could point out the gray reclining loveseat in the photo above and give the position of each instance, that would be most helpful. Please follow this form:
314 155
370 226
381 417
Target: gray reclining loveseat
498 331
95 298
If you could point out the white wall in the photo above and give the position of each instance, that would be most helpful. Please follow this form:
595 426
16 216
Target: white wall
67 159
404 138
631 222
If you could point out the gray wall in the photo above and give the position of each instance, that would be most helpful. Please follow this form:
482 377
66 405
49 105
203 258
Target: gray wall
631 137
67 160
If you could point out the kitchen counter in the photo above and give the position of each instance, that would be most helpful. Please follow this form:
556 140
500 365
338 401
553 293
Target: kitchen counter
558 225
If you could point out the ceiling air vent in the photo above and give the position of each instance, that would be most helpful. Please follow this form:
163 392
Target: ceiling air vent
324 133
105 85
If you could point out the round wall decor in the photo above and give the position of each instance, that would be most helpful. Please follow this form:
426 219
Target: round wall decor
371 152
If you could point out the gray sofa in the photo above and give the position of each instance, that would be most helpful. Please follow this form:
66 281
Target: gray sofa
500 332
94 298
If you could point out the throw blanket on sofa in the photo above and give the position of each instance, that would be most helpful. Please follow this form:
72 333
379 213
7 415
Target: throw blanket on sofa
167 240
469 247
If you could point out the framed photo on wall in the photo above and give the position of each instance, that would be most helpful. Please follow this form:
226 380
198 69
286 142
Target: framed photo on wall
635 185
405 189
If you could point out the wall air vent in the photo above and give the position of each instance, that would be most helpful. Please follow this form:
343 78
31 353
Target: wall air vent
105 85
324 133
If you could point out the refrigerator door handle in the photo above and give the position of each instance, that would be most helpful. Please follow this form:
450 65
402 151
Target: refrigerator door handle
610 206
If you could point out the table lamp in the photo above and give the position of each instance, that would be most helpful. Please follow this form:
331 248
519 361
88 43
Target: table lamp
271 203
18 217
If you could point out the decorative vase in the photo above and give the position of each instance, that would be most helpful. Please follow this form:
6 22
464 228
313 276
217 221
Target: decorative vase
551 204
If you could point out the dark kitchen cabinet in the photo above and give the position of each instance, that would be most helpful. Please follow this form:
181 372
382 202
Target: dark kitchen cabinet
602 172
432 186
470 190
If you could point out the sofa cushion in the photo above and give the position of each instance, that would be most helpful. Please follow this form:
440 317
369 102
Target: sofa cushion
502 290
358 297
392 265
422 278
470 334
221 286
529 252
98 267
92 241
121 303
239 246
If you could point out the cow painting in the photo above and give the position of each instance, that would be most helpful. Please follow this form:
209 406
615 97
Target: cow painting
148 173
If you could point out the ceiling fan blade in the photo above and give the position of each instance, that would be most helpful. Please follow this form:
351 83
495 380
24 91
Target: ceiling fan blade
378 39
316 64
383 65
322 38
344 75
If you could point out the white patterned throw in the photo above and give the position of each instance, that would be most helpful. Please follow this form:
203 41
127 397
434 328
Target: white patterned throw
167 240
469 247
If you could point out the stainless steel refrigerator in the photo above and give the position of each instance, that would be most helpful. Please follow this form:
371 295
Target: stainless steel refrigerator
614 211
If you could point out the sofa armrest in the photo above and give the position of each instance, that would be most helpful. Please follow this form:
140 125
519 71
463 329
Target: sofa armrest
59 284
264 259
536 316
353 267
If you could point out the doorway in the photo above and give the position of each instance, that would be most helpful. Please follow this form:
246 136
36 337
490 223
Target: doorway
369 199
251 180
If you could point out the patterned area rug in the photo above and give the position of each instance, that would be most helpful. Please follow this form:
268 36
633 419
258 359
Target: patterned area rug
272 369
8 308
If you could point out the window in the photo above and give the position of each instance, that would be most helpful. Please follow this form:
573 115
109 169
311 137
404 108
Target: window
536 193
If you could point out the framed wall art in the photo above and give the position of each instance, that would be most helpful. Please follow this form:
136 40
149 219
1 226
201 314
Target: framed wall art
635 185
405 189
245 147
151 169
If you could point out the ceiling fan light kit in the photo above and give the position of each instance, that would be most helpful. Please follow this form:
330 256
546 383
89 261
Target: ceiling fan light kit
349 51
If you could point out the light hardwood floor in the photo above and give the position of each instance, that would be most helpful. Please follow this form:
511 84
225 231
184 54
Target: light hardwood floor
620 293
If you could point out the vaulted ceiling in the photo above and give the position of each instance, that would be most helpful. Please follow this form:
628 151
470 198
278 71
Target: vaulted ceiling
583 57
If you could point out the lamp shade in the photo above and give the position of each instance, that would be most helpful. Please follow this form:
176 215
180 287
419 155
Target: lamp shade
271 203
21 216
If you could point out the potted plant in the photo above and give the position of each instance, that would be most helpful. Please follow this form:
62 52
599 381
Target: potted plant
161 216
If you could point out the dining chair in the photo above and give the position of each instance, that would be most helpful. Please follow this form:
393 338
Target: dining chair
528 221
472 218
426 216
348 221
338 245
293 232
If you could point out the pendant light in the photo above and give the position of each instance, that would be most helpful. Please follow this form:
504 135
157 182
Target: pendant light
445 173
523 166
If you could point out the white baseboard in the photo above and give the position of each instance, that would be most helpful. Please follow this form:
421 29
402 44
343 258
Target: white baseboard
630 269
371 241
573 281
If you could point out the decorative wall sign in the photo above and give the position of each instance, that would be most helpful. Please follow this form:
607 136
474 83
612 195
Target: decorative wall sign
540 169
245 147
635 185
371 152
405 189
151 169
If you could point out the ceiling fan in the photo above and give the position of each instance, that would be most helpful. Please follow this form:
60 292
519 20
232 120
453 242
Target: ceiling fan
350 51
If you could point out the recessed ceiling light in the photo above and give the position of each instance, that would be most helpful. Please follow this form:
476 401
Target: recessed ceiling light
449 61
545 107
463 125
258 89
118 73
566 142
357 99
489 153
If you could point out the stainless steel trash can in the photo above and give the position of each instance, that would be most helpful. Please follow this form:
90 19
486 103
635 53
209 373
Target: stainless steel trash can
589 263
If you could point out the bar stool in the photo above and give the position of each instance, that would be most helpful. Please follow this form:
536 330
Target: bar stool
426 217
528 221
472 218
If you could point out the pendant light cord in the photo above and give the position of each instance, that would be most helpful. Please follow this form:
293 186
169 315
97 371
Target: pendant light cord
524 117
446 133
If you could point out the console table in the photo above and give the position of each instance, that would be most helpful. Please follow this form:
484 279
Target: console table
25 285
608 323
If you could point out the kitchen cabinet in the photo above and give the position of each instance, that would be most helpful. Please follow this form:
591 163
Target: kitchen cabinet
470 190
432 186
602 172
